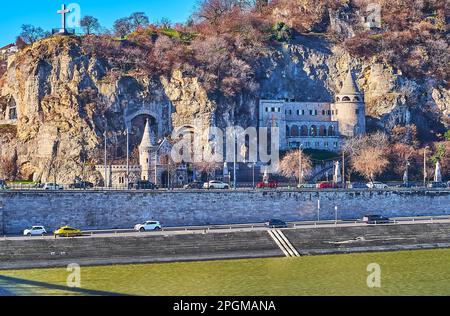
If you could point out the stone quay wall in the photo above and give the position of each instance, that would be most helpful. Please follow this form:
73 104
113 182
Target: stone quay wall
91 210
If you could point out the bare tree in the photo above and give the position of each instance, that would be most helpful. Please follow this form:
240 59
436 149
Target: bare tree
31 34
8 168
213 10
370 162
290 165
368 154
123 27
90 24
206 167
139 20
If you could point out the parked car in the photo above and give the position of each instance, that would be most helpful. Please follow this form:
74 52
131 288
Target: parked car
216 185
194 185
3 185
437 185
357 185
148 226
143 185
377 185
35 231
307 186
53 187
67 231
81 185
375 219
272 184
327 185
276 223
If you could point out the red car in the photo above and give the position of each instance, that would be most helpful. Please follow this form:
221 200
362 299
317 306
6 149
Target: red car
270 185
327 185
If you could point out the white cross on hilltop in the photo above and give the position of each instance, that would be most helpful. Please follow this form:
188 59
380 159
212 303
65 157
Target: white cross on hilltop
63 12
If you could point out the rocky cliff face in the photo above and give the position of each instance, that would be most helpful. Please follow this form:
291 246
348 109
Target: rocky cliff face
66 100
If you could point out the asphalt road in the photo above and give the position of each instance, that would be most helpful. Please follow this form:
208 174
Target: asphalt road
237 228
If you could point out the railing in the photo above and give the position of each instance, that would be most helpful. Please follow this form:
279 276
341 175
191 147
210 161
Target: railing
291 225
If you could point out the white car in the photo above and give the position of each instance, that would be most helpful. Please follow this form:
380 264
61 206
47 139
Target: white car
148 226
53 187
35 231
377 185
216 185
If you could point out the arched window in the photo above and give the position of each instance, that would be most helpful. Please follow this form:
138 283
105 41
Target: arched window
313 130
323 131
304 130
294 131
345 99
338 99
331 131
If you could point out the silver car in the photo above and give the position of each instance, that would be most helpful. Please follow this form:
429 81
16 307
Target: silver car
35 231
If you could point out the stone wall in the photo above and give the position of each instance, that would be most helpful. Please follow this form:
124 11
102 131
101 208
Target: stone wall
115 209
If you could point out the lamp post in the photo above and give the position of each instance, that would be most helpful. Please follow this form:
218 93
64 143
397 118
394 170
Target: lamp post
336 214
318 210
300 165
105 160
425 173
127 132
234 158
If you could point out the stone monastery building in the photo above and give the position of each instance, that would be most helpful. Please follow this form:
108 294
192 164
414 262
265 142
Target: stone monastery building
314 125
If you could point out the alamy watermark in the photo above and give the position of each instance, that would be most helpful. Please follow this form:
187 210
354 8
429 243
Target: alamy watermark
374 277
74 278
197 144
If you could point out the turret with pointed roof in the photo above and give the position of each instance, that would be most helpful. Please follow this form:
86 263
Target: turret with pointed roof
146 148
350 108
349 87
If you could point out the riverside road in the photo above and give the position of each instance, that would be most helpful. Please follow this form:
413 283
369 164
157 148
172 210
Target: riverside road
189 230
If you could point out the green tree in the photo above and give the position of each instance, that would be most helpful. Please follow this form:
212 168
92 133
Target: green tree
447 135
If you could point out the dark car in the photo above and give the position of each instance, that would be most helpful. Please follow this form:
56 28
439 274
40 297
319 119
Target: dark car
81 185
194 185
143 185
276 223
376 219
437 185
358 185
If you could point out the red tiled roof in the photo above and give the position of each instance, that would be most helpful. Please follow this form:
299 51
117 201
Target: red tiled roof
7 46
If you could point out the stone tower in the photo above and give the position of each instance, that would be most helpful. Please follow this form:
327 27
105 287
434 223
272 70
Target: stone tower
147 151
350 107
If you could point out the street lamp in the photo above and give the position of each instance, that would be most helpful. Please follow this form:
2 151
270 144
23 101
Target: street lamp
300 174
106 162
336 214
127 133
318 210
425 175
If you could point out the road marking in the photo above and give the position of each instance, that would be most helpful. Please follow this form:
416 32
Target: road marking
288 243
271 234
283 243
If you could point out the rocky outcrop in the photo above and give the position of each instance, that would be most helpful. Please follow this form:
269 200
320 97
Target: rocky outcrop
66 100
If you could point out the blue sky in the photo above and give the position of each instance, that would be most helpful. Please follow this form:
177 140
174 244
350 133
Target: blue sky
43 13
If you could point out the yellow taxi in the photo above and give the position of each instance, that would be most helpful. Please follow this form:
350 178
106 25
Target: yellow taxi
67 231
